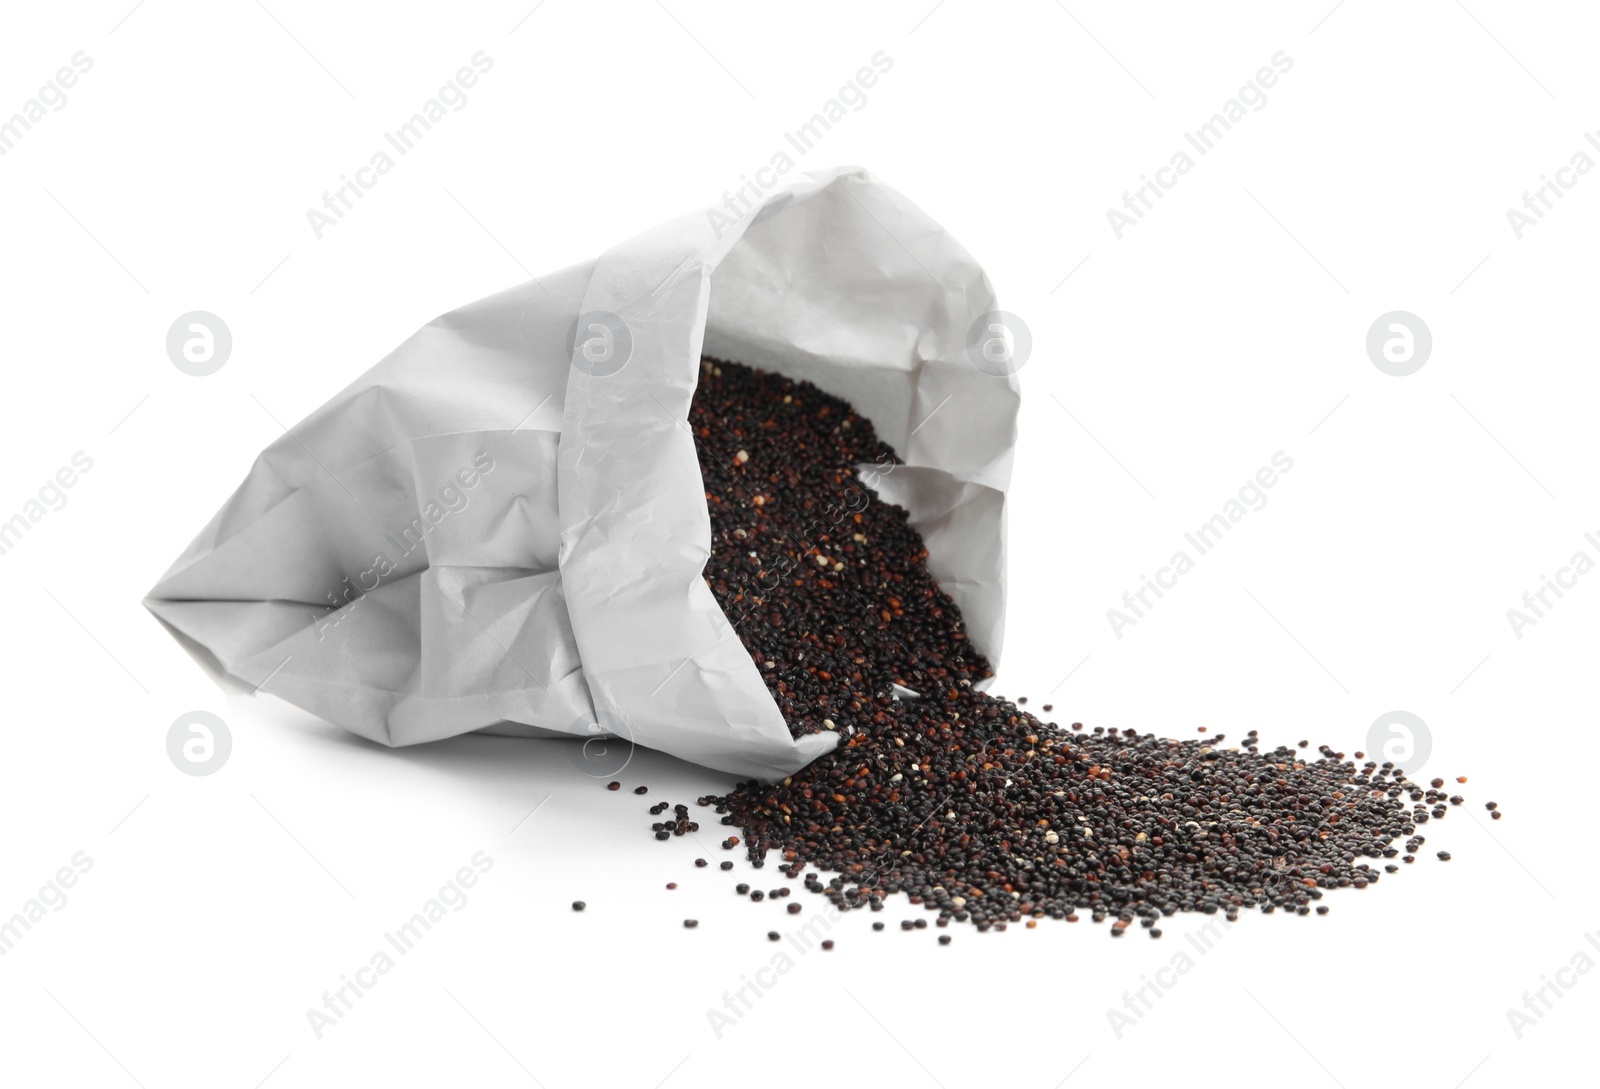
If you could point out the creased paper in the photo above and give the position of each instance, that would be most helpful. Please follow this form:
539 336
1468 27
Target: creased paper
482 534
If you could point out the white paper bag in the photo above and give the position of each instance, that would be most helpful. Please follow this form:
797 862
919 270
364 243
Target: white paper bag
502 526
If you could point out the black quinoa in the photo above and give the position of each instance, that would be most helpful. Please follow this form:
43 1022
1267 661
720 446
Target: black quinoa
827 587
966 803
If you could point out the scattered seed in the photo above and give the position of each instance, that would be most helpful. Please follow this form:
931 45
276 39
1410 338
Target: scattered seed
962 801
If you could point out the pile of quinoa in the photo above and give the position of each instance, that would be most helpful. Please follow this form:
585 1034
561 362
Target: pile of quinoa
965 802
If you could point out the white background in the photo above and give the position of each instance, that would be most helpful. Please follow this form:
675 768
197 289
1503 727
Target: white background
1226 326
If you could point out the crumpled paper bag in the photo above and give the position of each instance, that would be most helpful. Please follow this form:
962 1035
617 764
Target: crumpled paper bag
502 526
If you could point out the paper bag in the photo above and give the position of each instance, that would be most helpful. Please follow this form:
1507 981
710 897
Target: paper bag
502 526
